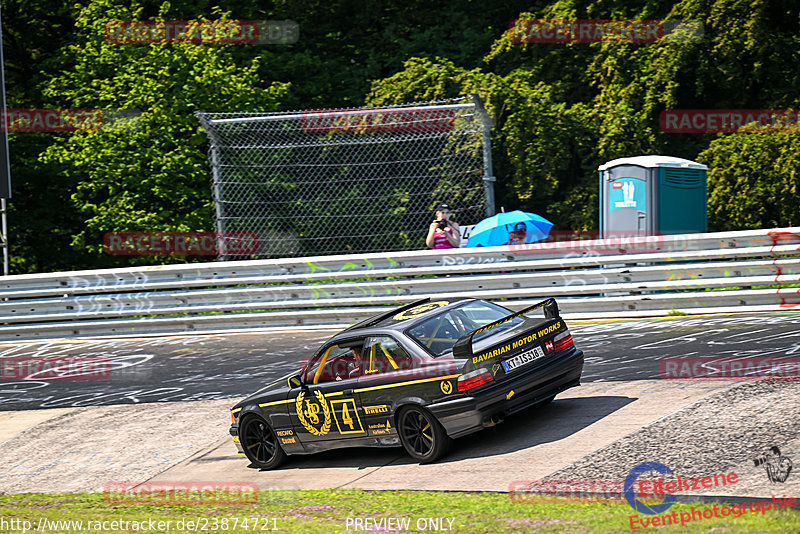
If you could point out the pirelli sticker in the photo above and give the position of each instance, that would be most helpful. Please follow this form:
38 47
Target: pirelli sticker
517 343
380 408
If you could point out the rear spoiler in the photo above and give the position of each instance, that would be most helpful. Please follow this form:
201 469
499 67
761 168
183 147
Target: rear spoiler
463 347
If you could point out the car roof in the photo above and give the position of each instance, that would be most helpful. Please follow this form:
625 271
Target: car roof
401 318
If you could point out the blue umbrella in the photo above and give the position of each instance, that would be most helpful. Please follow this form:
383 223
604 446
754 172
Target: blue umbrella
494 231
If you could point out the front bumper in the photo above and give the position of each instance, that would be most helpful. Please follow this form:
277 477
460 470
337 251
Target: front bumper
497 400
234 432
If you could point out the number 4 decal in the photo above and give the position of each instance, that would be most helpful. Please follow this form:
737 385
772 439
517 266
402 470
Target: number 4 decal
346 419
344 410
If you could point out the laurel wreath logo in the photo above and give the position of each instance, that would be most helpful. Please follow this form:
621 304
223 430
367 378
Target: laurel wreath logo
447 387
326 411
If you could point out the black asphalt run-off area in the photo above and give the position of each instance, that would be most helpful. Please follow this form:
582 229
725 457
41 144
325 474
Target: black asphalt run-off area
215 366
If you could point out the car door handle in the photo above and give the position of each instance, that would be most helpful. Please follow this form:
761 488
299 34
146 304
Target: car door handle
347 392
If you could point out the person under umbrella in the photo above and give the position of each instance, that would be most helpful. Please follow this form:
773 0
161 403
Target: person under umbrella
512 228
517 237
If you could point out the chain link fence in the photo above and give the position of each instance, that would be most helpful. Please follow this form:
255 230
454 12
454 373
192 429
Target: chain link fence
342 181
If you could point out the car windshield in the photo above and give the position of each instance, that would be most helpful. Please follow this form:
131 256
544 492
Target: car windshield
440 333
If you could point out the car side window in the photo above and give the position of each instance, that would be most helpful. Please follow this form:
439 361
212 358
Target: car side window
383 354
336 363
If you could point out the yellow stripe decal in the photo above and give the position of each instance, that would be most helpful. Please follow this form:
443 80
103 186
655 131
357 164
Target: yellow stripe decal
339 393
237 410
274 403
385 386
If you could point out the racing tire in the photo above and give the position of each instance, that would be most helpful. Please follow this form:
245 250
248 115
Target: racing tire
260 443
422 436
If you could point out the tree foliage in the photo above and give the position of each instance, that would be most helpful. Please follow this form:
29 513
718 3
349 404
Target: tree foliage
148 171
754 180
560 110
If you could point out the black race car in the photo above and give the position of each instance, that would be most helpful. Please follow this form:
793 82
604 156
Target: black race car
417 376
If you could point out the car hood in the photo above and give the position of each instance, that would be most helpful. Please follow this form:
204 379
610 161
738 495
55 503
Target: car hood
273 391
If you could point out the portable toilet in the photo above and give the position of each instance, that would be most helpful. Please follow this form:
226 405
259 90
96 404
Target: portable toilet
653 195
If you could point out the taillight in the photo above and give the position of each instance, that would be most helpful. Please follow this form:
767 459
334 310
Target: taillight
563 341
474 379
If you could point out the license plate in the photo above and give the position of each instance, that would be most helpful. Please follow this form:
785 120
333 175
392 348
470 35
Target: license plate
521 359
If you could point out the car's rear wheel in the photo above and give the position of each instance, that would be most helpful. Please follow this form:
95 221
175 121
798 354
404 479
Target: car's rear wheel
260 443
422 435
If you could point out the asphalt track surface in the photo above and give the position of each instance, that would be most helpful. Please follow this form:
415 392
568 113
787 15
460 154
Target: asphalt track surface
219 366
66 435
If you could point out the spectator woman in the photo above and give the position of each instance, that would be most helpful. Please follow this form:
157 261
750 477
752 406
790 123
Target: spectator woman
442 232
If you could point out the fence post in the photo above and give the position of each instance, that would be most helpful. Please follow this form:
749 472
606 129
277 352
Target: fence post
488 172
216 192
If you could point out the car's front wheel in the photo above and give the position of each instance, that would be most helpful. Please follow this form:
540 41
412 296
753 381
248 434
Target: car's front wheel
260 443
422 435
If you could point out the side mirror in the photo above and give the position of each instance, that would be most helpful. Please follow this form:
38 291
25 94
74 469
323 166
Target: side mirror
295 382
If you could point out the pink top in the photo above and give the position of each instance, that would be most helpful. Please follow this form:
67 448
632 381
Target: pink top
440 240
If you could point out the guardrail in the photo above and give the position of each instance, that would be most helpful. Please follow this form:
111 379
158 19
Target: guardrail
653 274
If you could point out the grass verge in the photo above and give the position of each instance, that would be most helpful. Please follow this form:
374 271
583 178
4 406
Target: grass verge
332 511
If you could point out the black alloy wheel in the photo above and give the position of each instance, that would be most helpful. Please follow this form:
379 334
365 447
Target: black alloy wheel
422 435
260 443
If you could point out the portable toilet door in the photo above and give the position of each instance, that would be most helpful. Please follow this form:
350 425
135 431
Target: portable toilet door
626 198
638 196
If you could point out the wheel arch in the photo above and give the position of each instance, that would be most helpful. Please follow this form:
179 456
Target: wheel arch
407 402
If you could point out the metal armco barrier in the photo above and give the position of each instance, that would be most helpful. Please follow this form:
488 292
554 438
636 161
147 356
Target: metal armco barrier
757 269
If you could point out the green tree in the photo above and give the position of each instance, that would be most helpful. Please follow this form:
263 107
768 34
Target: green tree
560 109
148 173
753 180
41 219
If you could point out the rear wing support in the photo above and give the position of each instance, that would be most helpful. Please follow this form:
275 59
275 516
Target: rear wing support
463 347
